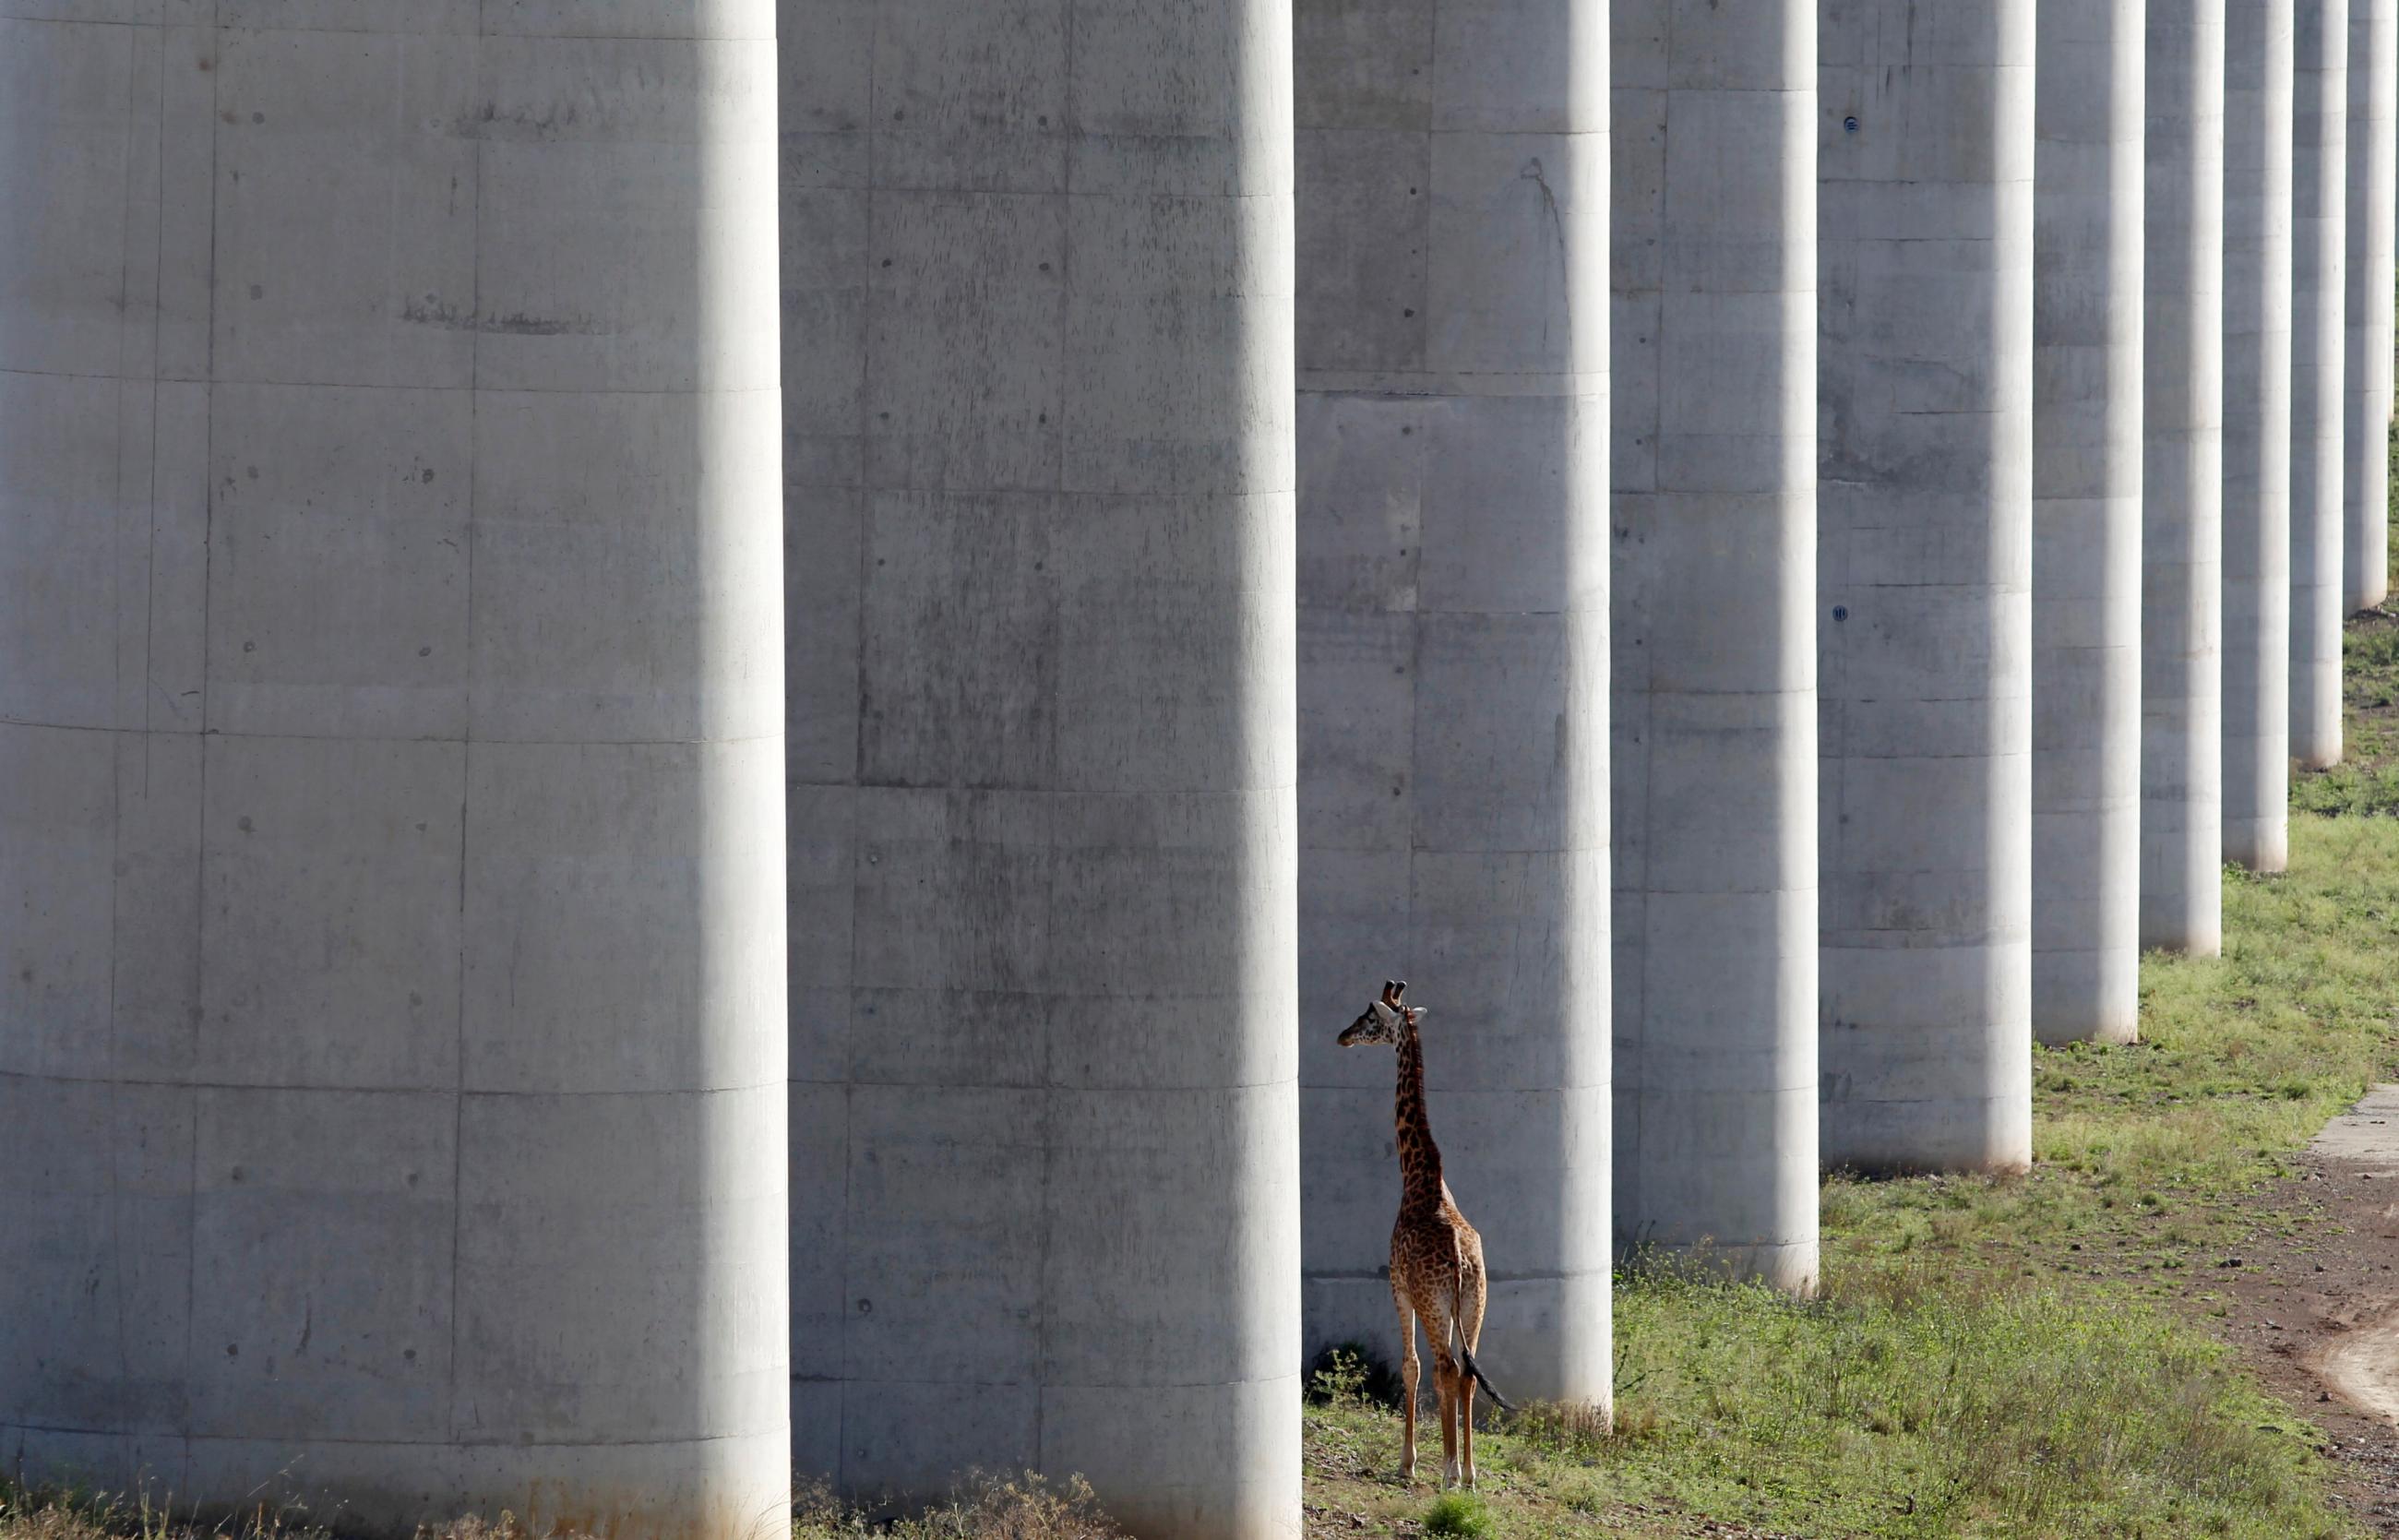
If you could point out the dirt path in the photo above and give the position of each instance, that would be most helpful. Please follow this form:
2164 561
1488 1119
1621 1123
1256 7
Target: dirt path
2316 1314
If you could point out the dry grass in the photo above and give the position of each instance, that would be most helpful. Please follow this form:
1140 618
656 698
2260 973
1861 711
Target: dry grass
983 1507
76 1515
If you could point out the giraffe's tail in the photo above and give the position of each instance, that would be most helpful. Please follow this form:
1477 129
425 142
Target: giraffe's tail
1466 1357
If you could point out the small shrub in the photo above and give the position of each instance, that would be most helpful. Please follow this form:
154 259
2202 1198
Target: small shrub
1460 1515
1015 1507
1352 1374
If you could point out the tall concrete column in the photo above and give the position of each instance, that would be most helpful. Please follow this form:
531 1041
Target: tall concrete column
391 1028
1453 605
1713 602
2182 494
1924 603
2258 61
1039 512
2086 520
2319 356
2373 184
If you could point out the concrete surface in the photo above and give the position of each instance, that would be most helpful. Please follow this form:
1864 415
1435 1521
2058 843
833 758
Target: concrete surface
1924 605
2319 356
2182 531
391 1045
1038 518
2373 184
1453 643
1715 658
2257 65
2087 581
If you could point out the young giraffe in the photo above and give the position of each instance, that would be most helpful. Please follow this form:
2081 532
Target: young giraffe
1436 1257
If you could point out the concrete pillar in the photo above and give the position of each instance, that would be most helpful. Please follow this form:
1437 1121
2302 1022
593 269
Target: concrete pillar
1453 604
1038 514
1924 603
2257 60
2373 183
2319 354
2182 496
1715 660
2086 520
391 1028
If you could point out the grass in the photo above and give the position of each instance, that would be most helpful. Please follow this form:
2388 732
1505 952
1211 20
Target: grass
1899 1405
2365 783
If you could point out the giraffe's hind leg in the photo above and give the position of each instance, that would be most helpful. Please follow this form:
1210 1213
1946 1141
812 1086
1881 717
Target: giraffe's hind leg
1409 1371
1445 1370
1470 1331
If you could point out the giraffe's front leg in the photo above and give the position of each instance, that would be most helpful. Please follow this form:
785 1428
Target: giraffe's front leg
1409 1370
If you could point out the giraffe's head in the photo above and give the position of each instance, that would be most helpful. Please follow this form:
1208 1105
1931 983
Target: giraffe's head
1382 1020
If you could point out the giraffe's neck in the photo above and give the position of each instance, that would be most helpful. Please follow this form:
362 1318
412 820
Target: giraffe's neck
1419 1157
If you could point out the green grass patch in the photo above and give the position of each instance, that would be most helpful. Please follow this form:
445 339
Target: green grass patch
1898 1405
1459 1515
2365 783
1903 1405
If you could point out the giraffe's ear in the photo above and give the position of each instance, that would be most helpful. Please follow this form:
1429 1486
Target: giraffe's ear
1415 1014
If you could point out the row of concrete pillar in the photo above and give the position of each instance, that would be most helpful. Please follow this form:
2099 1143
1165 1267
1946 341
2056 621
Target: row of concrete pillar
1214 577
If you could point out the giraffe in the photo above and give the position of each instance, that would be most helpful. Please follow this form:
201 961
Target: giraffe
1437 1273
